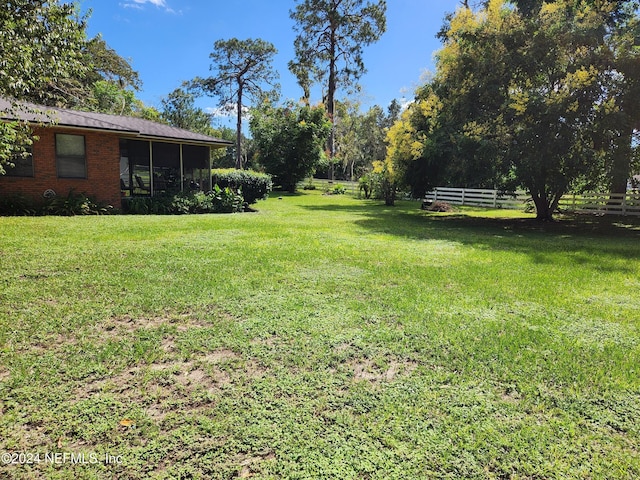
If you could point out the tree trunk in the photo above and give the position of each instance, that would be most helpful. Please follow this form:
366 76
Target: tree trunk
544 209
621 167
331 93
239 129
389 189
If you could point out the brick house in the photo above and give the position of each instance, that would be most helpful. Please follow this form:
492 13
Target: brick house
107 157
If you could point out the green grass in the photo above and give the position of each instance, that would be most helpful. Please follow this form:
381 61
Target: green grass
322 337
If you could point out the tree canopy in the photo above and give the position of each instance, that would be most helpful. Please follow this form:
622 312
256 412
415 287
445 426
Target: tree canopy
109 85
179 110
289 140
360 137
40 44
526 94
242 68
329 44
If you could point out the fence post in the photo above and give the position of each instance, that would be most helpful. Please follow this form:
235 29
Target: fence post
495 199
435 195
624 204
463 196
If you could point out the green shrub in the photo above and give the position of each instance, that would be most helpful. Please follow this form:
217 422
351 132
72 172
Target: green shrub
158 205
309 185
366 185
75 204
70 205
337 189
225 200
181 203
253 185
219 200
136 205
17 205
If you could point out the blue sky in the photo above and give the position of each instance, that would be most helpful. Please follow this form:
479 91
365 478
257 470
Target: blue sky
169 41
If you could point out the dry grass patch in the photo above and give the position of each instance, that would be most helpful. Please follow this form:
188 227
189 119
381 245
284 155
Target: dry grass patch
249 464
387 371
118 326
159 385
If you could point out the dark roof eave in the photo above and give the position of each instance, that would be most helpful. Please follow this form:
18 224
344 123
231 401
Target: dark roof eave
184 141
91 129
136 134
125 126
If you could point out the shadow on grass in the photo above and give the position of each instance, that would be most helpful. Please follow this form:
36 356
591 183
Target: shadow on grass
600 242
285 193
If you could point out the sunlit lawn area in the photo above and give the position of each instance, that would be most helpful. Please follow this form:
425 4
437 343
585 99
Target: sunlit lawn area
321 337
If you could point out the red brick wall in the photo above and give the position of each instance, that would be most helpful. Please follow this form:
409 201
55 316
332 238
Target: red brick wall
103 168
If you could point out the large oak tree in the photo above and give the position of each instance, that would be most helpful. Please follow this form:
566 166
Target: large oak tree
526 94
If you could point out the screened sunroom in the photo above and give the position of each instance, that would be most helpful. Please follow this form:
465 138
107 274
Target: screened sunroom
154 167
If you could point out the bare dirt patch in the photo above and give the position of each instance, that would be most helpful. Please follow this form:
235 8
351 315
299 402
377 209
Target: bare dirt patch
127 324
157 386
168 344
367 369
122 325
47 342
342 347
249 464
29 435
221 355
118 326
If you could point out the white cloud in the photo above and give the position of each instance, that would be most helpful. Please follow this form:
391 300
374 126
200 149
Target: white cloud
131 5
229 110
139 4
157 3
404 103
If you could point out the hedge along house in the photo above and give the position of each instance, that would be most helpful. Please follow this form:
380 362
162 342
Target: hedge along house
107 157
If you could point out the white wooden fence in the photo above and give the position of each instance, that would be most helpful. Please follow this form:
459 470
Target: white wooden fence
603 203
478 197
599 203
323 184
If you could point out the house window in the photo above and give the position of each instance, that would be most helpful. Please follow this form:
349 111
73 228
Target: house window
71 160
23 165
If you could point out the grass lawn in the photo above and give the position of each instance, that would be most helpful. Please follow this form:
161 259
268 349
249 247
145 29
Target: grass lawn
322 337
